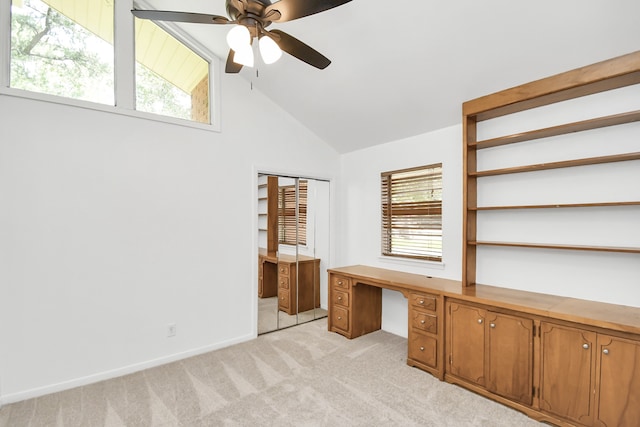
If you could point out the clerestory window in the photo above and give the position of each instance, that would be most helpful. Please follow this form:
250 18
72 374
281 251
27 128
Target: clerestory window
65 48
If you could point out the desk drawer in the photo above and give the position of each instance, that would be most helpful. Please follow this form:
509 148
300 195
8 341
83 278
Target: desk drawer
340 298
283 269
283 299
341 282
283 282
428 302
423 349
340 318
425 322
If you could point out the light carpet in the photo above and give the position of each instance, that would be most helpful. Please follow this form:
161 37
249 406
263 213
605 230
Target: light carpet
301 376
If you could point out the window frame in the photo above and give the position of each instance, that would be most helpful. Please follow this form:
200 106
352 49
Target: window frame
124 59
387 221
299 219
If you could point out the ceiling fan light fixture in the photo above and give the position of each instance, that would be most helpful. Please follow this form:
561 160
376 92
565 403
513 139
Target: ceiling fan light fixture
269 50
244 56
239 38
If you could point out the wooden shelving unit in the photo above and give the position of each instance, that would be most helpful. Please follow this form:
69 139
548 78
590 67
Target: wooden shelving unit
607 75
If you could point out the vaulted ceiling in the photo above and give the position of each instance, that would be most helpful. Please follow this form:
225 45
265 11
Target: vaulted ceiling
403 67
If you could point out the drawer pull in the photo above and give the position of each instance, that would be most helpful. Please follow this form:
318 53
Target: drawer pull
605 351
585 346
421 348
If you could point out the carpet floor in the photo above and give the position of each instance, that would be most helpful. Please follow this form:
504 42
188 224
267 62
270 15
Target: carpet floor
301 376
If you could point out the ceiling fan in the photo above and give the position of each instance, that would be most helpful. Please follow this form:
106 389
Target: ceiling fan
251 18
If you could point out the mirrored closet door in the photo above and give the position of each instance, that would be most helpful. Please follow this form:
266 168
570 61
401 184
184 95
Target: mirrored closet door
293 222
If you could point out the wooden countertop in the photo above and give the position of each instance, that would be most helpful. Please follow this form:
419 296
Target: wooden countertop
609 316
273 258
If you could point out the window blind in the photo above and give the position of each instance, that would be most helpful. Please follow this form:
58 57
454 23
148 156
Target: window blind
287 214
412 213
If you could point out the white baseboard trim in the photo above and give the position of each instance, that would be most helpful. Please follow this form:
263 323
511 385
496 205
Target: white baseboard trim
118 372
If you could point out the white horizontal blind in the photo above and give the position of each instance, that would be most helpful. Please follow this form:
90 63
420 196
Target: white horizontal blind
412 213
287 214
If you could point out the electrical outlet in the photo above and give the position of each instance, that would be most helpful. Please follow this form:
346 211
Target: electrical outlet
171 330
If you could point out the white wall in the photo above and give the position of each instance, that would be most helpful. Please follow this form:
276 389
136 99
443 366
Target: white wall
113 227
359 198
608 277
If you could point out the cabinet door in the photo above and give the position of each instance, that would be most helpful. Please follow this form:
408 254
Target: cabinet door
510 357
618 399
466 342
567 372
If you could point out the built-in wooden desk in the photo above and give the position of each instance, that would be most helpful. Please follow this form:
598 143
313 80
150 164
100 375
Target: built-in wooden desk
291 278
561 360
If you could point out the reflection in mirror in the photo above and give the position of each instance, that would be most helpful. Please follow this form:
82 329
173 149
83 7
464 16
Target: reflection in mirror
293 220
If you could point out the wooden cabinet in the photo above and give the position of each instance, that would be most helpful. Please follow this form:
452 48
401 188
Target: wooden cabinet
491 350
354 310
424 336
298 280
617 382
589 378
568 356
465 342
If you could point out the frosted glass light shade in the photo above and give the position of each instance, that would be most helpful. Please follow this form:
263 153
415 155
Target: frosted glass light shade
238 38
269 50
244 56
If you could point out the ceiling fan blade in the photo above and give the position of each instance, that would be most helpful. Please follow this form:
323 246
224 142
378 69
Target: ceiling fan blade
231 67
196 18
288 10
303 52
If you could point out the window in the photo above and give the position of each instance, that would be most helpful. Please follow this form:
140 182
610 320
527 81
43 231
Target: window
171 79
287 214
412 213
63 48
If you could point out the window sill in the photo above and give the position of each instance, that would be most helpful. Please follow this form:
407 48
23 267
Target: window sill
88 105
412 262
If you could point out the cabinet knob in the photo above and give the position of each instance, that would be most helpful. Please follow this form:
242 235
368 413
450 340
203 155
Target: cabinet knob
422 321
339 282
480 321
339 317
585 346
421 301
493 325
421 348
605 351
339 298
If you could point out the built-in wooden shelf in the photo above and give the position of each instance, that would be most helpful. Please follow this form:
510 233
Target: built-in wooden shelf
604 76
630 250
559 165
600 122
554 206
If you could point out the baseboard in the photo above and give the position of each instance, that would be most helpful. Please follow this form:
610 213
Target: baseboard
114 373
